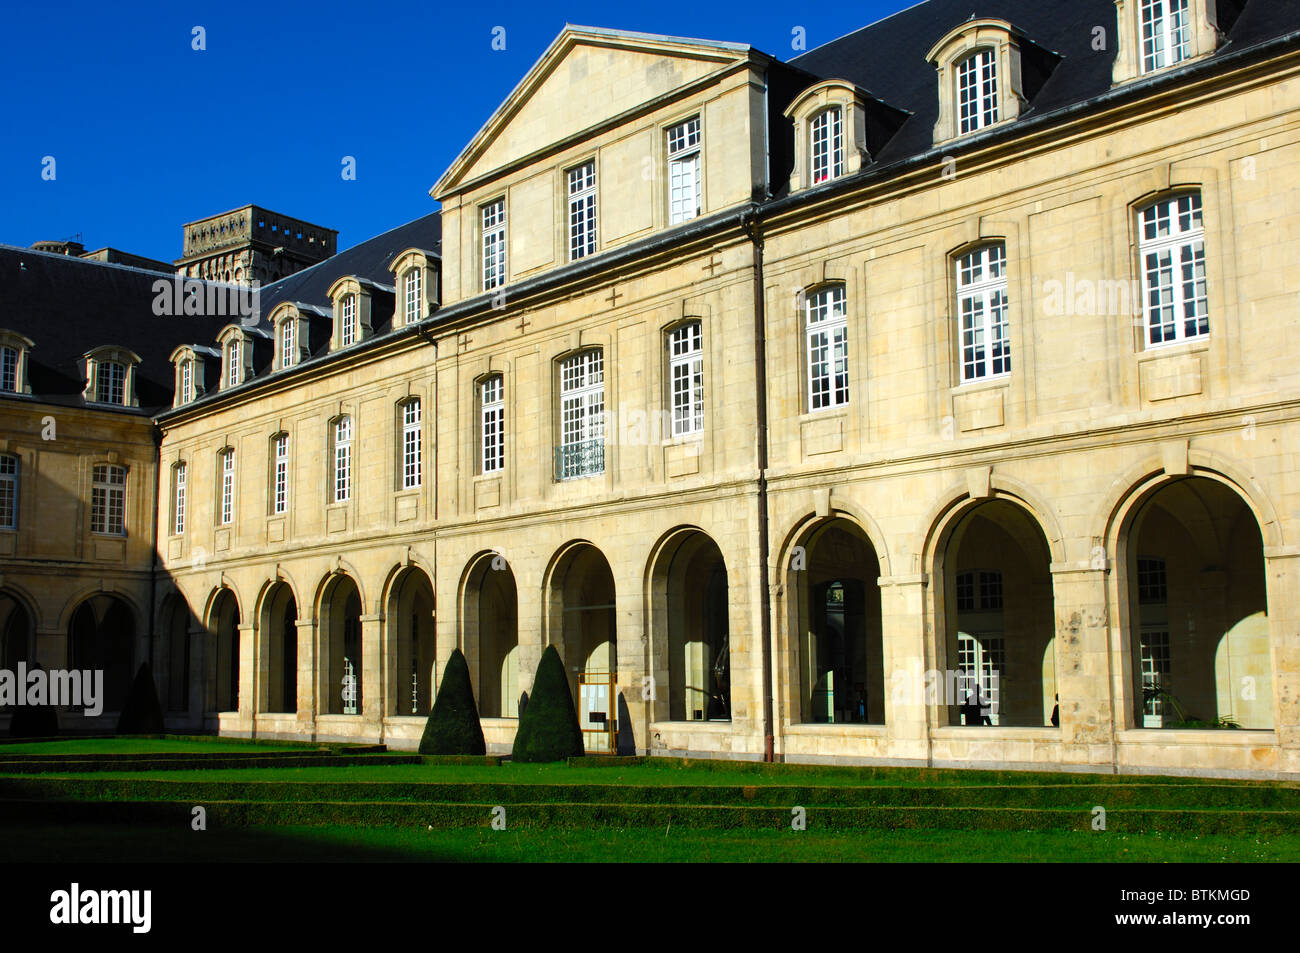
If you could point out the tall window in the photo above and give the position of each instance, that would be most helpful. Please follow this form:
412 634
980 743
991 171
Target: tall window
226 504
685 195
280 473
982 313
342 459
348 315
494 244
110 383
108 500
582 210
827 331
187 380
9 369
411 292
1166 33
8 491
411 454
582 416
977 90
232 362
288 342
492 425
686 379
178 497
827 132
1172 247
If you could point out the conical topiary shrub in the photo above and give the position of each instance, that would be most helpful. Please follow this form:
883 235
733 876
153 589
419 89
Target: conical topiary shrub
548 728
141 715
453 726
34 721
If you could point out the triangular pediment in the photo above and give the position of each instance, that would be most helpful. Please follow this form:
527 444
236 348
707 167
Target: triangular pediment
586 78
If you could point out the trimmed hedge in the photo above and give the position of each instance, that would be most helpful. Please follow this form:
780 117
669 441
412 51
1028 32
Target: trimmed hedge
141 714
548 728
453 726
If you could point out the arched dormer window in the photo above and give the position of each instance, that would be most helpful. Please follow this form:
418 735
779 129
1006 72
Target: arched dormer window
111 375
14 349
190 363
236 356
1156 35
988 71
292 335
415 272
352 324
830 131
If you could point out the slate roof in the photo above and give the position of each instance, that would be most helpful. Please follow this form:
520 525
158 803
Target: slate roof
68 306
887 58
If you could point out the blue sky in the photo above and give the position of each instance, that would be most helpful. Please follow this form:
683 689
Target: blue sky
147 133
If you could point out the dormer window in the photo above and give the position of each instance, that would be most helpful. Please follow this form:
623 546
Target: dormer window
416 279
1166 33
977 91
348 319
13 363
412 304
233 351
189 364
110 383
827 144
288 342
236 355
1160 34
187 381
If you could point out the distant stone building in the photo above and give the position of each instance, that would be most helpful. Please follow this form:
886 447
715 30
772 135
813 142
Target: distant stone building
252 244
112 256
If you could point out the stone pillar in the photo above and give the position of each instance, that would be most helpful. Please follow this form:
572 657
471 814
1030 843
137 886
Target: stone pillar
909 714
199 662
372 673
307 704
249 682
1083 671
51 648
1282 578
630 709
532 605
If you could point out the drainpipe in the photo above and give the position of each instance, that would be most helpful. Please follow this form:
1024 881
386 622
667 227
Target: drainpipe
749 222
153 544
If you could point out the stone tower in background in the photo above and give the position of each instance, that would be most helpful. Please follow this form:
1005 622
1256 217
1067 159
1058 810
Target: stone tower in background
252 243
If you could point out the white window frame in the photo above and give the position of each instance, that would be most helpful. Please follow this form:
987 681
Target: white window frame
1165 33
108 500
288 342
582 416
977 90
226 502
492 424
983 314
1171 256
412 445
180 474
492 219
826 144
348 319
411 288
582 210
280 473
686 378
10 470
826 336
9 358
342 444
187 380
232 361
110 382
685 171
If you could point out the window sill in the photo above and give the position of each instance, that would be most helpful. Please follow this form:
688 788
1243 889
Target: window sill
839 410
983 383
1185 346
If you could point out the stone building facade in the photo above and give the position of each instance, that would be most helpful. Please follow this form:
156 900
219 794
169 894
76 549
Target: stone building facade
925 399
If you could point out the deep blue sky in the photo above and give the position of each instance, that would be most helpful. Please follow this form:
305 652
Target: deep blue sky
148 134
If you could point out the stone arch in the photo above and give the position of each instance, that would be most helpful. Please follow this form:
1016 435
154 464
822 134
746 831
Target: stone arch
277 646
839 509
339 607
17 629
412 646
175 620
489 635
221 619
102 635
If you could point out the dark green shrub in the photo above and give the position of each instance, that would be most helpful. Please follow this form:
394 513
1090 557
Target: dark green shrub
141 715
548 727
453 726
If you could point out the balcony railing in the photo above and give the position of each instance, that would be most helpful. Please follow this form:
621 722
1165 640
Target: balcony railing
573 461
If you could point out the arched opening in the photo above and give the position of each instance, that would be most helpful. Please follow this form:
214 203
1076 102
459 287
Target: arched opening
691 632
492 623
223 676
581 623
176 637
410 620
279 629
835 573
101 636
999 623
1198 613
16 633
340 617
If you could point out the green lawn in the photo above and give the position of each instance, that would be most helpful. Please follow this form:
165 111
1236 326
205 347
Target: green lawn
91 844
83 746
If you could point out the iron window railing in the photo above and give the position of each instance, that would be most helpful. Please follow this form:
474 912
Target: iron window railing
581 459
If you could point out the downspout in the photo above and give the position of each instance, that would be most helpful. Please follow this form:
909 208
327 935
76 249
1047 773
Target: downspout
153 545
749 223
